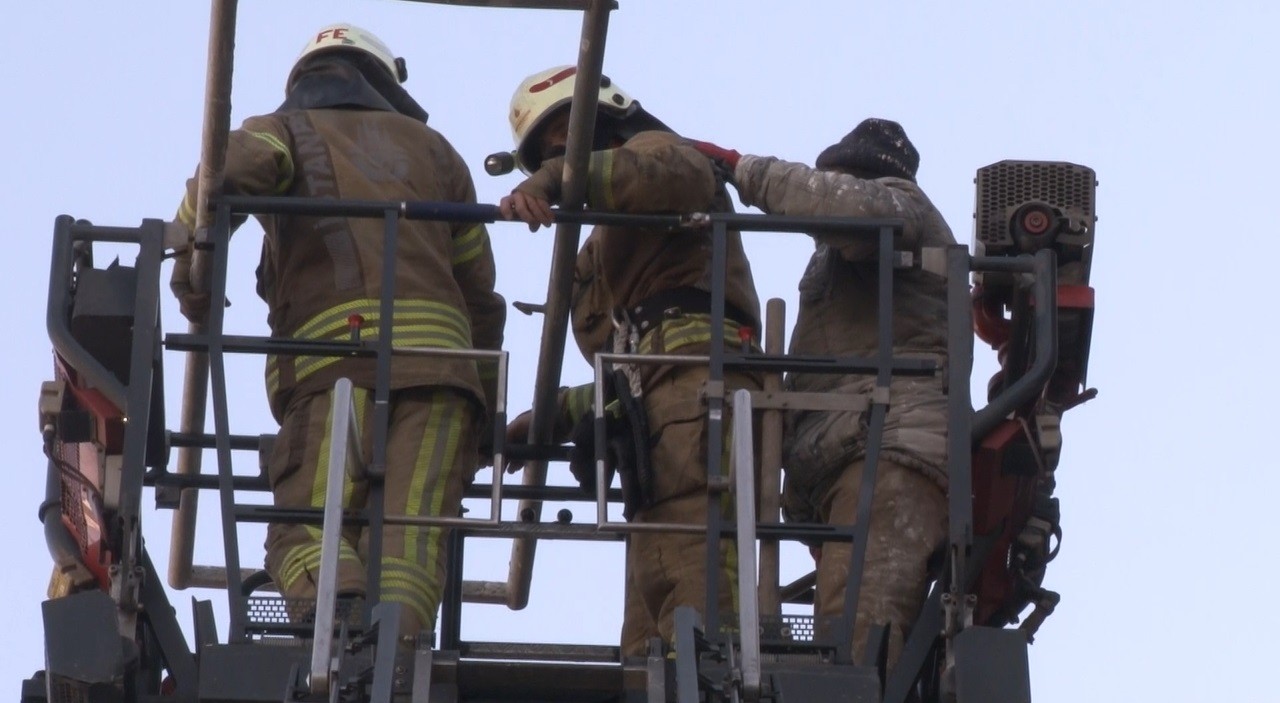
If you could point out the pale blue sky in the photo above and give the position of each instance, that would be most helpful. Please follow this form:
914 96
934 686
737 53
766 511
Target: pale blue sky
1167 480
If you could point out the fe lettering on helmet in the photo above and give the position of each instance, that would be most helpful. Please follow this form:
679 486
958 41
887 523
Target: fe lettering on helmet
351 37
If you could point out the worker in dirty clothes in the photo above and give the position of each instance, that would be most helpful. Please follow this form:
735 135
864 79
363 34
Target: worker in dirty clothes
871 172
648 292
348 129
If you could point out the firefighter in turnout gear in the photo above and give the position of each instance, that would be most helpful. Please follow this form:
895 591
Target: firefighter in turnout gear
643 291
348 129
871 172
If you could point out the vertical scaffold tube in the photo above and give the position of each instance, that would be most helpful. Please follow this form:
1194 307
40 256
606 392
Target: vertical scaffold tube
195 382
771 461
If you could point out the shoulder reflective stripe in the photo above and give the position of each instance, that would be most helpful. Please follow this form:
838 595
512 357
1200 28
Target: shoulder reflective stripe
469 244
286 171
600 180
187 211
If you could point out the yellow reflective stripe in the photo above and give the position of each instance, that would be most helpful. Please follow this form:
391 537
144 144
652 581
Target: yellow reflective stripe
296 562
428 619
308 365
729 510
336 316
273 375
307 557
436 458
334 319
684 331
187 211
286 166
578 401
417 323
452 439
304 366
421 472
319 486
321 474
600 180
411 598
414 570
411 585
469 245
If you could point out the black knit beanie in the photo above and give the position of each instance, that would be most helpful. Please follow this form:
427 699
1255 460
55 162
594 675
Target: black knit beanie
875 148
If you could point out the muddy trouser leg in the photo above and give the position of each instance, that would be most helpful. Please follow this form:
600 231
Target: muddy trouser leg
638 625
431 452
299 469
908 522
669 569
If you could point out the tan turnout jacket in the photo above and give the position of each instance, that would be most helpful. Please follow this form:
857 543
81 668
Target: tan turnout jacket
317 273
621 266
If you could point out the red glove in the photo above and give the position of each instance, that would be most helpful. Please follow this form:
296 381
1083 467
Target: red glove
726 157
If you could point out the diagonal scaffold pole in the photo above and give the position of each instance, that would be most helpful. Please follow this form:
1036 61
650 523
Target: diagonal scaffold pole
555 323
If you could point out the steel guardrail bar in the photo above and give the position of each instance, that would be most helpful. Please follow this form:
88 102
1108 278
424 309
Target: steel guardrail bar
748 599
771 462
331 534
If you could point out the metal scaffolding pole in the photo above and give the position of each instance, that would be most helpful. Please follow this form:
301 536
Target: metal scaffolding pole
213 154
771 462
555 323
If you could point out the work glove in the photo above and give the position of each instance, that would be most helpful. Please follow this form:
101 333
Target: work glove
725 160
517 433
531 201
194 305
582 455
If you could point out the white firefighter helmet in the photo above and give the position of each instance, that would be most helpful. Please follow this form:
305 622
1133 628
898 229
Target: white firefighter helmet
539 96
348 36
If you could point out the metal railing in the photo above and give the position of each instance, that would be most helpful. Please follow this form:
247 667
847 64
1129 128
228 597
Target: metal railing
1038 271
214 140
742 458
344 460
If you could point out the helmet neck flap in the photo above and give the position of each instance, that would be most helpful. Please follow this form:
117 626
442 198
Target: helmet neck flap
347 79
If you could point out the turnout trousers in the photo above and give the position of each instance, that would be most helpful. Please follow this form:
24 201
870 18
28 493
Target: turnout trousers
666 570
908 524
431 454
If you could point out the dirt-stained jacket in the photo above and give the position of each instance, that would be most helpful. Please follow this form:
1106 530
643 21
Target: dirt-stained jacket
653 172
837 316
319 275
